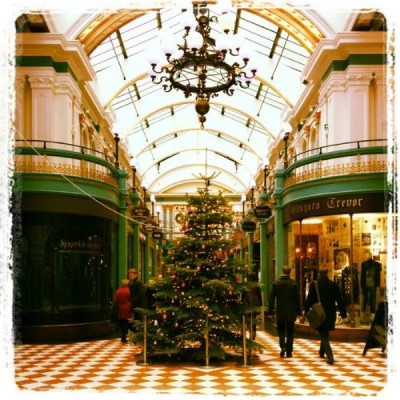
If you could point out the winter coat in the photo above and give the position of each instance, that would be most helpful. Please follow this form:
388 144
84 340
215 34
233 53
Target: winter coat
253 296
138 294
122 299
285 299
329 294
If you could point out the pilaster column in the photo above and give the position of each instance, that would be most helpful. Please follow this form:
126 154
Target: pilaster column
264 259
122 269
135 236
22 114
146 271
242 250
358 94
280 234
171 223
154 259
250 237
66 115
43 112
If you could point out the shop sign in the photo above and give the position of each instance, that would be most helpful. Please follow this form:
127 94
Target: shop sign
79 245
249 226
261 212
149 227
157 235
331 205
140 213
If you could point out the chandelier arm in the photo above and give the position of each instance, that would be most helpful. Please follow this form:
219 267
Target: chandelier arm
237 66
167 88
243 74
161 79
231 91
162 69
245 85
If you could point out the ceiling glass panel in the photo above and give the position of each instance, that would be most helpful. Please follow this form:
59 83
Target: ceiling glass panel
155 124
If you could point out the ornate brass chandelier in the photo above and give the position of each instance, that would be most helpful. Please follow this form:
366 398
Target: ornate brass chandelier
207 61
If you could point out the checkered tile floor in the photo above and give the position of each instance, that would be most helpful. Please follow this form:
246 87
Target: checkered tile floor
109 365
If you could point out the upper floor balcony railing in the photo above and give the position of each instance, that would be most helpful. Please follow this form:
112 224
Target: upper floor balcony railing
51 157
358 157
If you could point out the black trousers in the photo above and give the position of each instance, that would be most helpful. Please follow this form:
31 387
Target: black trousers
325 345
124 327
286 335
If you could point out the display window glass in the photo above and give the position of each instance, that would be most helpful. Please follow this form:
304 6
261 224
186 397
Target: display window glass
353 248
64 270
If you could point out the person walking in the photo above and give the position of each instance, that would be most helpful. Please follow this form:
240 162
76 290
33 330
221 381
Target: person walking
329 294
285 300
122 300
253 298
138 293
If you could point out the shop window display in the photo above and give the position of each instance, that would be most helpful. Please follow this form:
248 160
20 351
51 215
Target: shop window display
355 251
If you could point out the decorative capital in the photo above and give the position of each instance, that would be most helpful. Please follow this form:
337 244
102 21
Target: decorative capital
317 117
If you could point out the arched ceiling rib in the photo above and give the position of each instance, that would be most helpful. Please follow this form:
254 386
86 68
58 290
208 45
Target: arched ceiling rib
213 103
133 81
228 162
181 175
289 19
242 127
218 133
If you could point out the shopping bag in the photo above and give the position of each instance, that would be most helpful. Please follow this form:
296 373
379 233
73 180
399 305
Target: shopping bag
316 315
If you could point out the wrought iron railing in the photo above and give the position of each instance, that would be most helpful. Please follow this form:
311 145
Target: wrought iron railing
358 157
53 157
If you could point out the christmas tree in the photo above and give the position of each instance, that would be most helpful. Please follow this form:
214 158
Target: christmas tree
197 307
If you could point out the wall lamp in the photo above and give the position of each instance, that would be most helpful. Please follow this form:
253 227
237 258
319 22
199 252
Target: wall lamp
153 201
287 129
243 199
144 195
116 139
253 185
266 173
132 163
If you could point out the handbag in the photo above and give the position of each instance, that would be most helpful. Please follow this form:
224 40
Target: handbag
316 314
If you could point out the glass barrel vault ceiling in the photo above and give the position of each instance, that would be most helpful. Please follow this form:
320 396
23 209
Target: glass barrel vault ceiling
162 131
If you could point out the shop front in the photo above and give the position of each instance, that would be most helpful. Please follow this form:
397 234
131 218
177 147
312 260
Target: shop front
349 235
63 275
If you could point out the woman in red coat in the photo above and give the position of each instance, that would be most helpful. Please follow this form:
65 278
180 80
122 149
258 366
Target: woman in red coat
122 299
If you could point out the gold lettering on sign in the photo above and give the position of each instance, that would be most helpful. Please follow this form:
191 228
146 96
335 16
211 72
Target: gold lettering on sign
333 202
302 208
79 245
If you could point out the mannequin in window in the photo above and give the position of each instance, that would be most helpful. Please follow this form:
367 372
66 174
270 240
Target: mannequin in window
346 285
370 280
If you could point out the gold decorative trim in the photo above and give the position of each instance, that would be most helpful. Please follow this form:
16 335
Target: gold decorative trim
81 171
289 19
104 25
337 170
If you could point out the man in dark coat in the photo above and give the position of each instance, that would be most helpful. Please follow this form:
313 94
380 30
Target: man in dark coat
138 293
285 299
253 298
329 294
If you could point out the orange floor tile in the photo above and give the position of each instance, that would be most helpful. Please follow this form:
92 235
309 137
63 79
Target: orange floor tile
109 365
